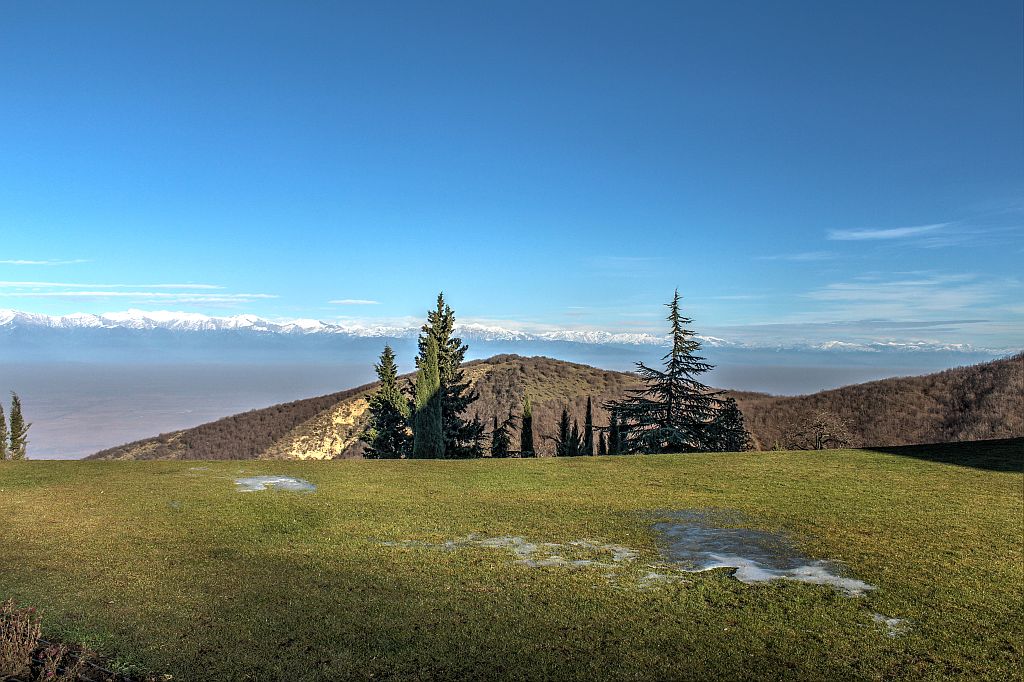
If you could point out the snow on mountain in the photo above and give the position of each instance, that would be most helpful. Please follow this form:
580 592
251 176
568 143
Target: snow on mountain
142 320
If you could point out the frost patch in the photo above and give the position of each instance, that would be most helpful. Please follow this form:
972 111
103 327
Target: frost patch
695 544
894 627
257 483
574 554
652 578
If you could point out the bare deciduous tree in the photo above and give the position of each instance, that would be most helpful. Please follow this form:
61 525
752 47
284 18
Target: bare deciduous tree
821 430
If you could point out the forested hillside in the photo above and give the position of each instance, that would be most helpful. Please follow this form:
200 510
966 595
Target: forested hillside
967 403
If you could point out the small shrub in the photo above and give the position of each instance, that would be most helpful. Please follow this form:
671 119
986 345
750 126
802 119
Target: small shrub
59 663
19 636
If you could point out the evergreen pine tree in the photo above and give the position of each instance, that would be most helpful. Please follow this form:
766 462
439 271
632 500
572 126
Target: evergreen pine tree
3 435
501 436
475 447
564 434
729 432
18 437
614 436
674 412
428 434
388 432
526 447
602 445
588 430
575 446
462 438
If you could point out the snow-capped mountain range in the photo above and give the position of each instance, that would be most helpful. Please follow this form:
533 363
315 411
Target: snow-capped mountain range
194 322
140 320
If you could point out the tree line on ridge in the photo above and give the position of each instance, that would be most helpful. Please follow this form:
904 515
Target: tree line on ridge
425 418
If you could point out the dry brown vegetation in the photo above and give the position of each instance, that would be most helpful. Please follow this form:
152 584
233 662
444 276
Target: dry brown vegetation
978 402
25 655
967 403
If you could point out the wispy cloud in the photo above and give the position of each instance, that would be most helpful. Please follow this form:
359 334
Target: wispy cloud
354 301
909 296
53 261
885 233
144 296
71 285
804 256
140 293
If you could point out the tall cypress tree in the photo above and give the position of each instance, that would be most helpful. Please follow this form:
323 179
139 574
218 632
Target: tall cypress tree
602 445
3 435
19 429
614 436
388 432
588 430
674 412
428 434
526 447
564 434
575 446
461 437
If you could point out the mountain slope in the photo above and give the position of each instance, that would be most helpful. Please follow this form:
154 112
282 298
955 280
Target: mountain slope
977 402
968 403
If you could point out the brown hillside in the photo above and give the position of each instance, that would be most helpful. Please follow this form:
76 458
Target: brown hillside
968 403
978 402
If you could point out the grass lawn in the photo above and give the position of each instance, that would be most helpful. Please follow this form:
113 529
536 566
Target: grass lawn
165 567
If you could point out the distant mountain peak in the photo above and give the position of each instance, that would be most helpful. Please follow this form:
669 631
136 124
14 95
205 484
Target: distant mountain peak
143 320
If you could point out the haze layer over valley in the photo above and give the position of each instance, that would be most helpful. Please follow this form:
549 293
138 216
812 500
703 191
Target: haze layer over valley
95 381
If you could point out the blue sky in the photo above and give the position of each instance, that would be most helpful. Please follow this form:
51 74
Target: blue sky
827 169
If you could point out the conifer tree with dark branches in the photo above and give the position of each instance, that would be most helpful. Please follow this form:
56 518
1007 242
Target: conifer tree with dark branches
18 435
614 435
501 436
574 447
462 438
388 434
588 430
728 430
526 447
564 437
674 412
3 435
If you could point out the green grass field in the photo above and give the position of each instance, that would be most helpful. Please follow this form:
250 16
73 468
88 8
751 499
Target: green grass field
166 568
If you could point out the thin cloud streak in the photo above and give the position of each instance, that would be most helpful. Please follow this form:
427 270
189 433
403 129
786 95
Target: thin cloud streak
72 261
71 285
163 296
887 233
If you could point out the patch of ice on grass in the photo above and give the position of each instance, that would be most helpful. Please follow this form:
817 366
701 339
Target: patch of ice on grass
894 627
695 544
655 578
257 483
539 554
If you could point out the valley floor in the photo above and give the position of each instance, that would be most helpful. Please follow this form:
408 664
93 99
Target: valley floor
416 569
